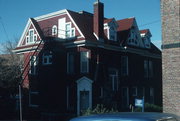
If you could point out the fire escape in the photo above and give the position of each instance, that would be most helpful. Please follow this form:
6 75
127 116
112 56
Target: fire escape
47 39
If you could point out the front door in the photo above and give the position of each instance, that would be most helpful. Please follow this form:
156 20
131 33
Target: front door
84 94
84 100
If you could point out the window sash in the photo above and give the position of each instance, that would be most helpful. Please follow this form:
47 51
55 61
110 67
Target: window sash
47 59
124 65
84 62
33 65
31 35
70 63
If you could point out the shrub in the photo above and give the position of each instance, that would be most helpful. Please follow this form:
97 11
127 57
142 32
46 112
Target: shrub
149 108
99 109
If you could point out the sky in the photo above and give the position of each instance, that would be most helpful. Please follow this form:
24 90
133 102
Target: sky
14 14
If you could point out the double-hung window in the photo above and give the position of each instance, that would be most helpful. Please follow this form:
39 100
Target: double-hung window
47 58
84 62
152 95
113 77
54 30
148 68
33 65
124 65
31 37
70 62
68 30
33 99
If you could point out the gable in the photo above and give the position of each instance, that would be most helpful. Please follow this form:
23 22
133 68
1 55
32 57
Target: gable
29 31
134 37
43 26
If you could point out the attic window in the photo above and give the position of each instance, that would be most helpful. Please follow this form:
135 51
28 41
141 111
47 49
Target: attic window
69 32
54 30
31 37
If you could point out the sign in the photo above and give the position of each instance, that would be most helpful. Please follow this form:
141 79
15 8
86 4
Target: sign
139 102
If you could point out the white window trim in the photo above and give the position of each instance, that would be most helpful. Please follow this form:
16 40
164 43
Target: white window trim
35 62
56 30
69 30
74 32
48 57
28 36
30 104
87 71
113 76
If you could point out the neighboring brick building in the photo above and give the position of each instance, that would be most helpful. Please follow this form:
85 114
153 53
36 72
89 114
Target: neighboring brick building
170 10
76 60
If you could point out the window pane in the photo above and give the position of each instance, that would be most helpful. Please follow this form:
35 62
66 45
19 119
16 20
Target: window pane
31 34
84 62
124 65
145 68
68 30
70 63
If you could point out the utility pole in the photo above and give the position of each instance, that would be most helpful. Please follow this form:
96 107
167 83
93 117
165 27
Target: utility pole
20 103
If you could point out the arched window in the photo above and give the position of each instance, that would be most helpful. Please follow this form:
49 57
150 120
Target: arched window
54 30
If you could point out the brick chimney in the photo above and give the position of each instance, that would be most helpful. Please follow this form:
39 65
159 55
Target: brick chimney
98 22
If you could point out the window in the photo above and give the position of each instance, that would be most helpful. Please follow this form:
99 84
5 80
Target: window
112 34
148 68
84 62
54 30
152 95
33 99
31 37
73 32
124 65
68 30
113 77
31 34
33 65
125 97
47 58
67 97
145 68
134 91
70 63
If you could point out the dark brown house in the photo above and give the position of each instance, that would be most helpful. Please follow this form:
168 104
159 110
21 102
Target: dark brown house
76 60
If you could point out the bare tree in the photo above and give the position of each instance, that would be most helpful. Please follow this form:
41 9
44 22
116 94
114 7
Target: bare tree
9 68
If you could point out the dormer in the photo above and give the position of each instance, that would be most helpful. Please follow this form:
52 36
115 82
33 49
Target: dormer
134 37
110 29
146 37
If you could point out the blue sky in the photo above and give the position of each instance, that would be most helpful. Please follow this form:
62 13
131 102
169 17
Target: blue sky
14 14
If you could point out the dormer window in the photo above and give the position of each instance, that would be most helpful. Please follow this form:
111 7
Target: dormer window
54 30
31 37
69 32
112 34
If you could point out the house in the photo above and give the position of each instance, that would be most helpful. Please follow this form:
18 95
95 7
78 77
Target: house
76 60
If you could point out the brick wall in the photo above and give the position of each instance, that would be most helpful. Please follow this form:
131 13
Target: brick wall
170 12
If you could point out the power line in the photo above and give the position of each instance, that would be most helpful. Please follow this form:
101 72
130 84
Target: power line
153 22
5 32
